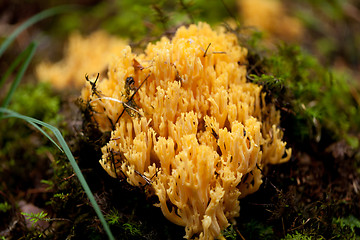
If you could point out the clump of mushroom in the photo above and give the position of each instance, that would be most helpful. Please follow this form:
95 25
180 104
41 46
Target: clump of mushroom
82 55
184 120
270 16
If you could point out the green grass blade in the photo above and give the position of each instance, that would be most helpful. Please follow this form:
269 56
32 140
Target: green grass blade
31 50
46 135
71 158
36 18
13 65
37 127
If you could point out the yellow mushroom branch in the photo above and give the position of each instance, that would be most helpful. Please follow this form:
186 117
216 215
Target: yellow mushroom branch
185 121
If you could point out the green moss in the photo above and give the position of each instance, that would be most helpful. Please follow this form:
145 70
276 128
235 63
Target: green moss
132 229
33 100
37 101
20 144
342 228
298 236
69 202
319 101
347 227
254 229
229 233
4 207
113 217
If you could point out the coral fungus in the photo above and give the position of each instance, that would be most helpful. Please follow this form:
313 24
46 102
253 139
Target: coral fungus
83 55
185 121
270 16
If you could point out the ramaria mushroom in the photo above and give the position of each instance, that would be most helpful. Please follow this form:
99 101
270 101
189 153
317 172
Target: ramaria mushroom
270 16
83 55
189 124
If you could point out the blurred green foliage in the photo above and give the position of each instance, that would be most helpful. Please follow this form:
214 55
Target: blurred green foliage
145 18
332 29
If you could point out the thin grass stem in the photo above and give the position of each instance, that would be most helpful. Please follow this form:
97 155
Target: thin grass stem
31 50
13 65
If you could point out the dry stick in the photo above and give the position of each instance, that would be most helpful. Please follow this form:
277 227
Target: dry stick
121 155
113 162
116 100
67 178
283 225
219 52
97 93
93 84
216 136
238 232
148 181
215 52
279 191
131 98
206 50
111 122
300 226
